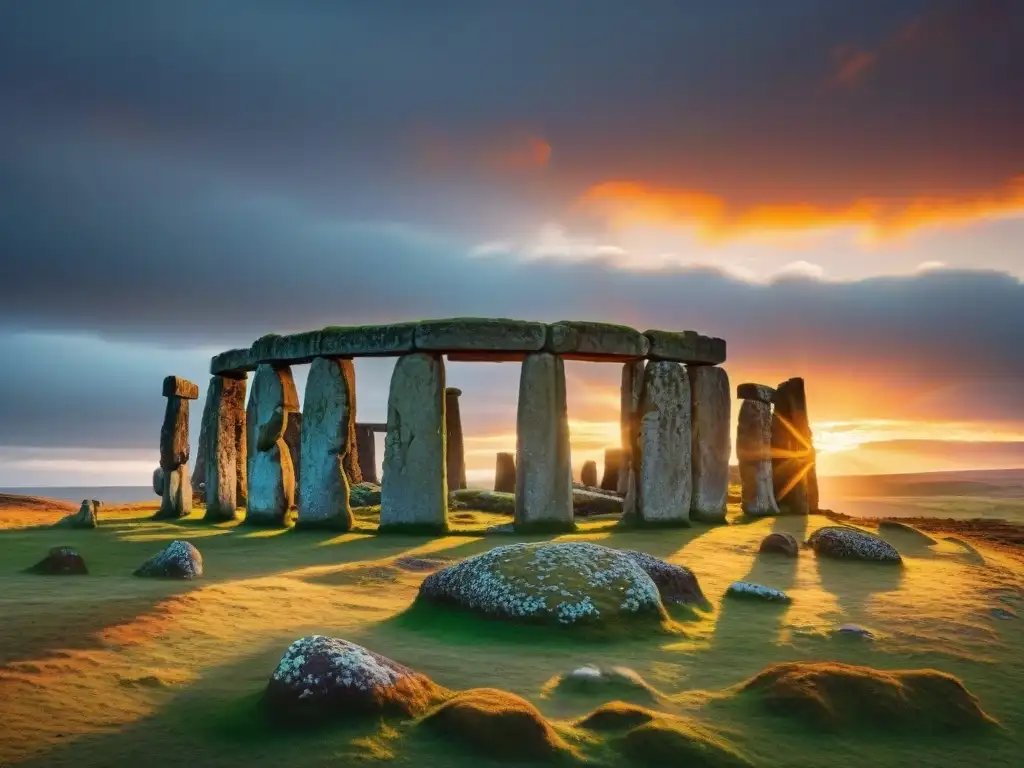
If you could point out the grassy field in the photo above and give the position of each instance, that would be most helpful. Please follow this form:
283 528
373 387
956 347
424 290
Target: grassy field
111 670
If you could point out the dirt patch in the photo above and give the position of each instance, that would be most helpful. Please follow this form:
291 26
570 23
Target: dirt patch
999 533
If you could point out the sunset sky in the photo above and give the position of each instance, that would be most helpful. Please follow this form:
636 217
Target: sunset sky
835 188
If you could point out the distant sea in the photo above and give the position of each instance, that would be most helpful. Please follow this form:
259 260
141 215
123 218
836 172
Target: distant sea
112 494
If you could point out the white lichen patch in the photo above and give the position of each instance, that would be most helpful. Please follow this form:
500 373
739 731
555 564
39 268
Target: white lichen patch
317 663
749 589
568 582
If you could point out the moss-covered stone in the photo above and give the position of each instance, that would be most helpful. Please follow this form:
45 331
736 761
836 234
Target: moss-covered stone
235 363
685 347
478 334
595 341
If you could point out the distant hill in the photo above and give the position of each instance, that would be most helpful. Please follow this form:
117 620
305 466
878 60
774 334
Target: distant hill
991 483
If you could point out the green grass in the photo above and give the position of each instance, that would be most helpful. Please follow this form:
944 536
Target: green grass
108 669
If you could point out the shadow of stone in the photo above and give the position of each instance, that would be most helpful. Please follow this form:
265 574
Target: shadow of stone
853 582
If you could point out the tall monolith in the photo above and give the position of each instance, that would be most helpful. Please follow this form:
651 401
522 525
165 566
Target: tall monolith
271 478
754 450
711 407
225 407
663 479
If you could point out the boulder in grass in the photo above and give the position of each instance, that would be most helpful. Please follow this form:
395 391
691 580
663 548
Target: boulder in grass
854 631
614 681
60 561
569 583
179 560
321 677
750 590
85 517
781 543
851 544
676 584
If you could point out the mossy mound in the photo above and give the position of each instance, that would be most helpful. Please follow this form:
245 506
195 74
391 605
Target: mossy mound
498 724
563 583
606 681
483 501
834 695
364 495
617 716
671 741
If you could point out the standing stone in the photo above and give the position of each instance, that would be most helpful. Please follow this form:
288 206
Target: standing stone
292 438
176 500
271 478
588 475
242 454
350 462
613 460
792 450
456 459
754 452
199 465
505 473
664 488
414 491
543 461
366 447
225 407
629 418
328 416
711 405
158 481
174 448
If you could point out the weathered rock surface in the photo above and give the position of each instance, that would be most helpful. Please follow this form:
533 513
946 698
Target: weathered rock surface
454 446
179 560
543 462
746 589
85 517
199 465
588 475
60 561
158 481
781 543
482 501
685 347
414 493
329 415
271 477
235 363
711 407
568 583
174 448
614 462
225 408
505 473
664 484
476 334
335 341
322 677
851 544
753 450
176 500
576 340
793 450
587 502
366 450
631 389
293 439
760 393
676 584
175 386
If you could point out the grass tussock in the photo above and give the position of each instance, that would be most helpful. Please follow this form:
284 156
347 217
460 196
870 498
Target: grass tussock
497 724
621 682
617 716
833 695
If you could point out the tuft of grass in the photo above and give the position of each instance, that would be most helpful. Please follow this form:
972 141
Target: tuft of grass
617 716
835 696
673 741
497 724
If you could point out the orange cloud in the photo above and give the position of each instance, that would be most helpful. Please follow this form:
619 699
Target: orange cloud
625 203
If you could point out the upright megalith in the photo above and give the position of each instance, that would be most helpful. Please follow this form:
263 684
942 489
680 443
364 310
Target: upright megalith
271 478
629 418
456 449
588 475
505 473
328 419
350 461
292 438
754 449
794 476
613 462
176 499
543 462
199 465
663 476
366 450
414 491
225 408
711 405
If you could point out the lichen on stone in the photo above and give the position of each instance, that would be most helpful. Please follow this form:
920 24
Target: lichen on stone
851 544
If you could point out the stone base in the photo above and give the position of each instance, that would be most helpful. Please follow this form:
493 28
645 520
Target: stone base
704 516
414 529
339 523
545 526
635 521
216 515
266 521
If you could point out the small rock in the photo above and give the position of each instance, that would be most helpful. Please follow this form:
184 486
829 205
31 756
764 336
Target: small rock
321 676
855 630
179 560
750 590
782 543
852 544
588 475
1002 613
60 561
676 583
591 677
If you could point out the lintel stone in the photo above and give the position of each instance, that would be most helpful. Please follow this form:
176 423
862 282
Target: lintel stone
342 341
761 393
234 364
685 347
479 334
175 386
575 340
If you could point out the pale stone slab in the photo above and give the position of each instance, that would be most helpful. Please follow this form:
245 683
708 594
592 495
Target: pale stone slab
685 347
225 407
328 420
505 473
543 461
176 500
753 450
630 391
476 334
271 478
175 386
758 392
414 489
664 482
575 340
455 447
711 407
